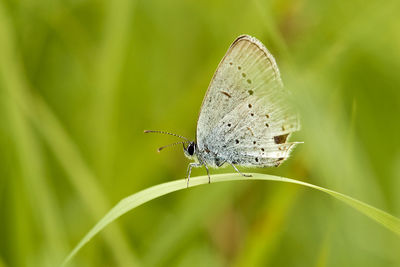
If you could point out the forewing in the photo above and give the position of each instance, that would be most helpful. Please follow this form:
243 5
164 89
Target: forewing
246 116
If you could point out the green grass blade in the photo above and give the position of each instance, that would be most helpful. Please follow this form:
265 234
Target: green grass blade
137 199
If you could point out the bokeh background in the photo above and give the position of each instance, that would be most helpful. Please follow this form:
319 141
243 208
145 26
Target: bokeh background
81 79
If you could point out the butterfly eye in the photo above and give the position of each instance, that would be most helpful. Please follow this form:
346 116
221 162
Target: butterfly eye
190 149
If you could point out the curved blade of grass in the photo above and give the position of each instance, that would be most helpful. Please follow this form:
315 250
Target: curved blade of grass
137 199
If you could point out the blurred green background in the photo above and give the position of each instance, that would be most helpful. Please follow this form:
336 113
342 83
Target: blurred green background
81 79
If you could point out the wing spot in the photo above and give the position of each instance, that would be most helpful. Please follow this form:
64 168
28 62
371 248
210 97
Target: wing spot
267 124
248 81
230 63
256 159
227 94
250 105
229 125
254 142
251 92
239 68
252 114
280 139
237 141
266 115
262 149
244 75
248 128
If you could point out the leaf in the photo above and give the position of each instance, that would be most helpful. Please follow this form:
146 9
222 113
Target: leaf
137 199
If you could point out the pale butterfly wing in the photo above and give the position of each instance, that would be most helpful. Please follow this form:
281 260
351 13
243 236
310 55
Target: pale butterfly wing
245 117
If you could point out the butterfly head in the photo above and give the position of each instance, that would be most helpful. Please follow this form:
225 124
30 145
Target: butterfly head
190 150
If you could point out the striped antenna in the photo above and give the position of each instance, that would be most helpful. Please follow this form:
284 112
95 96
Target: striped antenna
173 144
163 132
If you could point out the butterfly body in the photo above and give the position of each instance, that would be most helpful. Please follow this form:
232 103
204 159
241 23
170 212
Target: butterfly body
245 118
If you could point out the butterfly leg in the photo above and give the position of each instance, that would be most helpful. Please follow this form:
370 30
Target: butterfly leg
208 173
189 170
245 175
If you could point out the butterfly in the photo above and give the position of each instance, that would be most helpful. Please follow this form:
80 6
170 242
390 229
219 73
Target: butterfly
245 118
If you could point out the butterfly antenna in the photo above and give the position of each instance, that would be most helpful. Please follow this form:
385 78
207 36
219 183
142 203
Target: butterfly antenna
163 132
177 143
